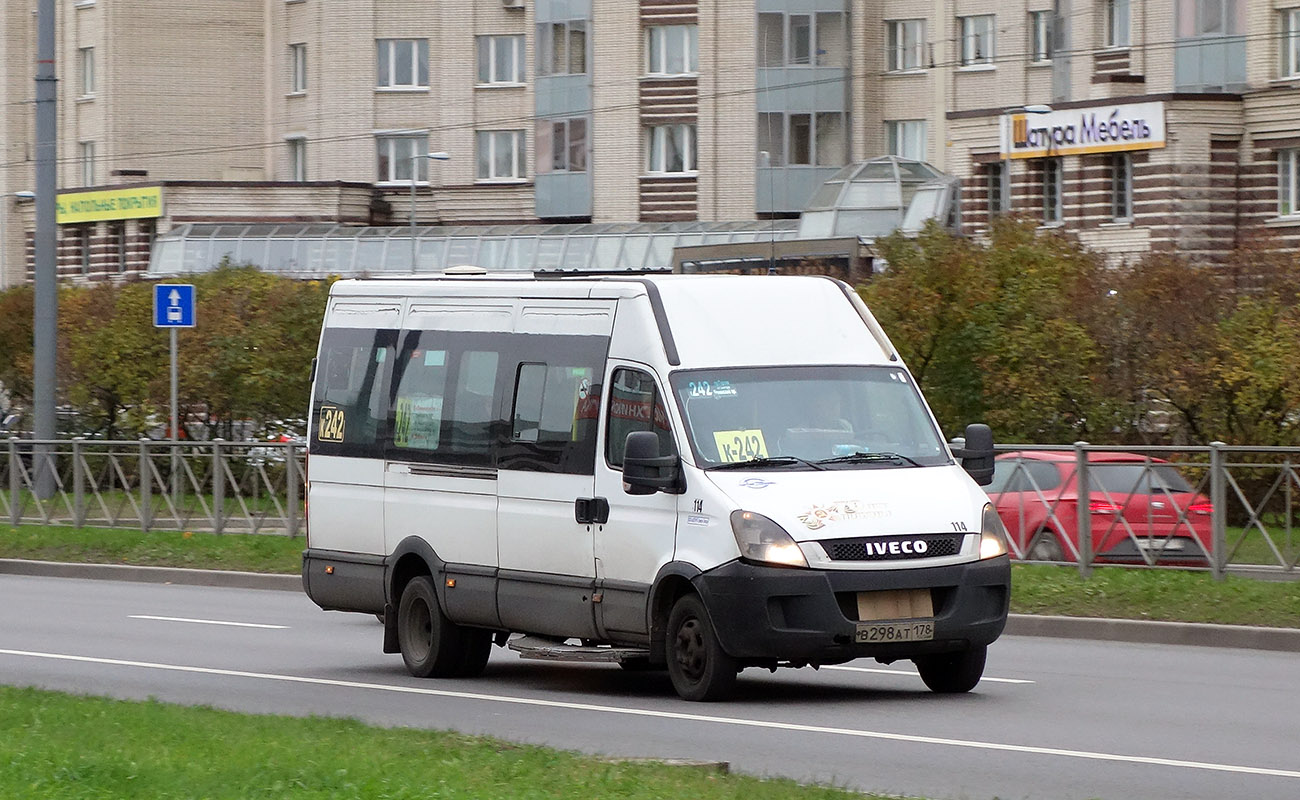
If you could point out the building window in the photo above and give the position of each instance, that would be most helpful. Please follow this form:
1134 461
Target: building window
297 68
297 159
501 59
1287 162
906 40
1117 23
1040 35
977 45
996 186
671 149
83 240
500 155
398 156
1053 188
906 138
562 145
86 161
117 235
1290 45
402 63
672 50
86 70
1121 186
801 40
562 48
803 139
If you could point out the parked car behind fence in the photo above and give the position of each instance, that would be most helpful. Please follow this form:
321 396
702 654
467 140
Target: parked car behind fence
1141 509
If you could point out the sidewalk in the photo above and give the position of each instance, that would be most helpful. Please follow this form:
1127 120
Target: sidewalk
1114 630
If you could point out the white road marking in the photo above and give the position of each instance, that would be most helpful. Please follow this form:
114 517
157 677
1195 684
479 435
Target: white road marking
680 715
209 622
913 673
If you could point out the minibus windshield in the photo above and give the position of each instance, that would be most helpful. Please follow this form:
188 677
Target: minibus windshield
807 418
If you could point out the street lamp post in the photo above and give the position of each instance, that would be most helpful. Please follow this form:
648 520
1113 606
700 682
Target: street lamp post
4 241
1004 133
415 174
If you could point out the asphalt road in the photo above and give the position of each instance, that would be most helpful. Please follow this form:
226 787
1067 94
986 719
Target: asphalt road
1054 718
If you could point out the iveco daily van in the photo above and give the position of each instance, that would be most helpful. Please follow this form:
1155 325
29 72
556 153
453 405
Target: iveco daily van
697 473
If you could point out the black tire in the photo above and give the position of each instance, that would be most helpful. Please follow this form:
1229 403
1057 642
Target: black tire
478 647
1045 547
697 665
953 673
432 646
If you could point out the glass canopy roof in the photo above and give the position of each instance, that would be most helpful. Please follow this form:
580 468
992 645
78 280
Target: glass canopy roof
867 200
321 250
874 198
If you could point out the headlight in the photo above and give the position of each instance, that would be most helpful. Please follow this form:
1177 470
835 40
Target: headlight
761 539
993 534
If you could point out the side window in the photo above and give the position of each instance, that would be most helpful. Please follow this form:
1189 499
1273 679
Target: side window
420 398
635 404
553 422
472 408
352 377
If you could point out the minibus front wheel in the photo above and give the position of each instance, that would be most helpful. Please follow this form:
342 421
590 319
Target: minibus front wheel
697 664
432 645
953 673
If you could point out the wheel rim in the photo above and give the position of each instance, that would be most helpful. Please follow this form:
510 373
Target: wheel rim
692 654
419 629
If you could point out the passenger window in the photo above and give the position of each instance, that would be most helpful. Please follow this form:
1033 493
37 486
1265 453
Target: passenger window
350 388
420 398
472 413
635 404
554 419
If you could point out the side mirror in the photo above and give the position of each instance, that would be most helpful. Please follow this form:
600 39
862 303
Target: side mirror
976 453
644 470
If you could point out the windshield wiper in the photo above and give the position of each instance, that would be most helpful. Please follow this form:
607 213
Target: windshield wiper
763 463
867 458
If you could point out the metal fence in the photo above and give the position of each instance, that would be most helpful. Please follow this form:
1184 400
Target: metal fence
238 487
1217 508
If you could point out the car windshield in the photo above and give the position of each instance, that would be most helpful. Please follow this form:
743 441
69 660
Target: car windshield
793 415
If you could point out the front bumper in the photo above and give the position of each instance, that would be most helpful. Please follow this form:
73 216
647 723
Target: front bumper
764 614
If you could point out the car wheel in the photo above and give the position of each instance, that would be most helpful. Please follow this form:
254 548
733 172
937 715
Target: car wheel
953 673
432 646
697 664
1045 547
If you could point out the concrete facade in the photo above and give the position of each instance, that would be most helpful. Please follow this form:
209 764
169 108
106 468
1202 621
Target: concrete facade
203 99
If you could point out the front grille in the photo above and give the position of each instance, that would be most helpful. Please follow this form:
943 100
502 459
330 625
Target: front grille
893 548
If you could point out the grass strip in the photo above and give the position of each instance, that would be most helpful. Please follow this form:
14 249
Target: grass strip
1171 595
68 747
244 552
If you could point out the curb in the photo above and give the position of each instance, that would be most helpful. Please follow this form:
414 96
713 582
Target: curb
1114 630
176 575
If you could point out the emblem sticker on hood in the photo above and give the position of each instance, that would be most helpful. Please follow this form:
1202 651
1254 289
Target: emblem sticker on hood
756 483
819 516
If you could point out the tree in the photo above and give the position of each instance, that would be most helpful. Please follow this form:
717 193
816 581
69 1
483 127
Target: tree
16 337
996 332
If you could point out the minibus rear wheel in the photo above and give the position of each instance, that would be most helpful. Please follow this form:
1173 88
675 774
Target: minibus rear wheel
953 673
432 646
697 664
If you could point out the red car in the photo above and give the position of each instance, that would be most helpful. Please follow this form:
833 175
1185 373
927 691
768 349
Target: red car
1142 510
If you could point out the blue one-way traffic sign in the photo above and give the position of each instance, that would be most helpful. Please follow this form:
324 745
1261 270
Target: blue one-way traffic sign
173 305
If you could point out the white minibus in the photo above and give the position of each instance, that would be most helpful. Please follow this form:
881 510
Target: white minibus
697 473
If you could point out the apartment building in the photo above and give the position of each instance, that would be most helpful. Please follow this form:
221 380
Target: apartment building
565 112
